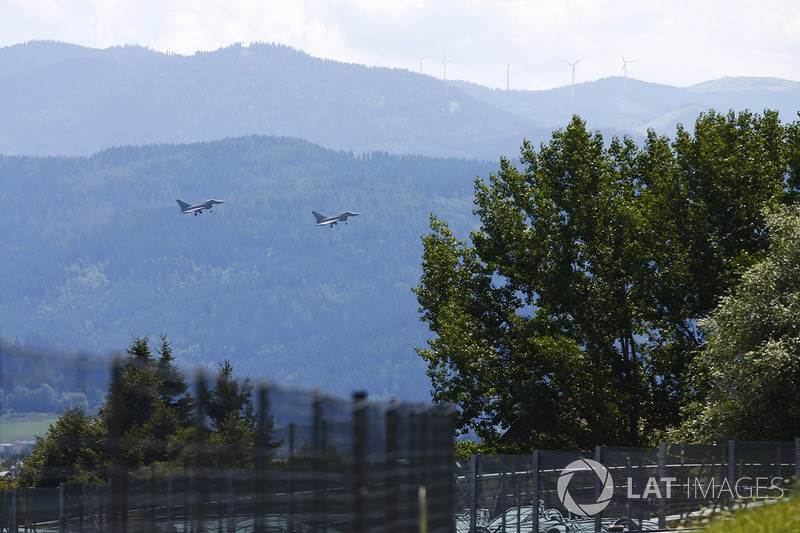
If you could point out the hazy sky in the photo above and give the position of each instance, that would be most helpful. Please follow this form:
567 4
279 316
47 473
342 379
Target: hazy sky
677 42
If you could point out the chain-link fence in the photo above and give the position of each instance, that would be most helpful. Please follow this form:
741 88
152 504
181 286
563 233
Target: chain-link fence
618 489
313 463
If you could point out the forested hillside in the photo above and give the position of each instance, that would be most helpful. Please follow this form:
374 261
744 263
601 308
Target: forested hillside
95 252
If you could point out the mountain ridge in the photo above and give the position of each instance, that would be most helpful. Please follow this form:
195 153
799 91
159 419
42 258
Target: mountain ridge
96 252
65 99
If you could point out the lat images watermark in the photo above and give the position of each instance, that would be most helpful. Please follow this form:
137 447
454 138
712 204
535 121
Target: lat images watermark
585 509
743 488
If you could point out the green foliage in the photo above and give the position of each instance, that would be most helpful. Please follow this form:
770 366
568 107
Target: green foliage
569 320
752 358
731 167
230 408
464 449
149 421
781 517
68 452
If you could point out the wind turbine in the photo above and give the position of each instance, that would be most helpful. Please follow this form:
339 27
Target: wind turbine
444 71
624 70
572 87
420 61
508 76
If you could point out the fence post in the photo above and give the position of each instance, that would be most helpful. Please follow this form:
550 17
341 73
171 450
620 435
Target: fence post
259 474
12 528
535 490
662 474
797 457
290 482
169 504
82 509
598 456
153 506
117 479
198 479
444 497
474 460
320 466
187 502
62 518
731 469
502 502
231 507
392 474
426 463
359 493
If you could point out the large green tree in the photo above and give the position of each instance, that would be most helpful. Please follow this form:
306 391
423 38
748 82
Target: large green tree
569 319
69 452
752 357
150 419
148 402
230 408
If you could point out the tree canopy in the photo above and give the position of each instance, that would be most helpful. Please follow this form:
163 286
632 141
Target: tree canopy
150 419
752 358
569 318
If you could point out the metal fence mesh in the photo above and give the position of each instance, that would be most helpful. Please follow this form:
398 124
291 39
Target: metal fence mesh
634 489
316 463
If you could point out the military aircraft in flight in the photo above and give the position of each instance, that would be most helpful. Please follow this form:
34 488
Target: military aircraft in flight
197 208
341 217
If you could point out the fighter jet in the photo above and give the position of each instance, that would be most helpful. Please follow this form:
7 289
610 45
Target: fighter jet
197 208
341 217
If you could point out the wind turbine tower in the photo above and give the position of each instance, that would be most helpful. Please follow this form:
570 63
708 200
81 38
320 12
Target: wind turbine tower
624 70
572 87
420 62
444 70
508 76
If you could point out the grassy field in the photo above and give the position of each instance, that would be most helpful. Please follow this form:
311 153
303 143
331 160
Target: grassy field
25 429
782 517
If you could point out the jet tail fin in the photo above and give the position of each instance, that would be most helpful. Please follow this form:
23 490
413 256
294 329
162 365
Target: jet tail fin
183 205
317 216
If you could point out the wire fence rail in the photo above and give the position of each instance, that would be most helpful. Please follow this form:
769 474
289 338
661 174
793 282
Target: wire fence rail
397 482
318 464
619 489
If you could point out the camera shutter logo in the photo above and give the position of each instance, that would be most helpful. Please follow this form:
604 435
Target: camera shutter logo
585 465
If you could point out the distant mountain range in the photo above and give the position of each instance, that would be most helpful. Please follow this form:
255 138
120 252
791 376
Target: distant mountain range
63 99
94 250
